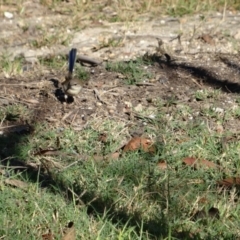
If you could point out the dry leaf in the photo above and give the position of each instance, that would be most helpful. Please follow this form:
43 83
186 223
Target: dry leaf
103 137
162 165
189 161
208 39
111 156
195 163
98 157
229 182
70 232
203 200
16 183
139 143
2 171
219 128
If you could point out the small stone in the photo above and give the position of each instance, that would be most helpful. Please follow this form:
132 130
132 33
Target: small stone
111 55
218 110
152 80
120 76
8 15
30 56
21 24
138 108
128 104
152 116
237 35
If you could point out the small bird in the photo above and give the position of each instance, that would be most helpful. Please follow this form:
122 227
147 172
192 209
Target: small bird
71 86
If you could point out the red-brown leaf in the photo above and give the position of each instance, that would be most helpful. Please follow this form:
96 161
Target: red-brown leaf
229 182
189 161
195 163
162 165
114 156
139 143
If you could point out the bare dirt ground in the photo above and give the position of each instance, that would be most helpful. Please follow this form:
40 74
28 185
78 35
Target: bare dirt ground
203 51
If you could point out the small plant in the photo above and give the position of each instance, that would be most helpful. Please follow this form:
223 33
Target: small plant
47 39
202 95
14 112
133 71
81 73
55 62
11 67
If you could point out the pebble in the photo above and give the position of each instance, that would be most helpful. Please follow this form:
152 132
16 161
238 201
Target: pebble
139 108
8 15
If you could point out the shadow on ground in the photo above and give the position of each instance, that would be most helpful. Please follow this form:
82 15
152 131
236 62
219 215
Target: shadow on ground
204 75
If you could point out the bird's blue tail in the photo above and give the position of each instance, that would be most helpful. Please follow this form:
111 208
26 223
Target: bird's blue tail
72 59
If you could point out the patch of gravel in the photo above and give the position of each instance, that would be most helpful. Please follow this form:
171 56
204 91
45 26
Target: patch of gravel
116 41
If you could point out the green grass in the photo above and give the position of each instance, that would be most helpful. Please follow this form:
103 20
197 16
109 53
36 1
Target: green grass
132 71
128 198
82 73
53 62
13 112
46 39
10 67
28 215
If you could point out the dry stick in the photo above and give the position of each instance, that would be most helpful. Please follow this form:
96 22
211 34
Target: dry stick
67 115
192 79
98 96
2 122
19 84
23 102
224 10
79 197
75 116
88 60
145 84
196 82
71 164
228 89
